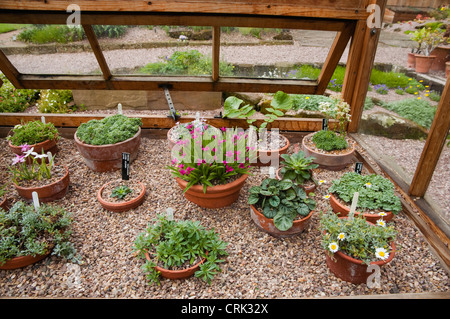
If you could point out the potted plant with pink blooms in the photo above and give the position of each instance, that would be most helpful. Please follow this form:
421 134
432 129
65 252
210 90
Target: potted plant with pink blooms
33 172
211 166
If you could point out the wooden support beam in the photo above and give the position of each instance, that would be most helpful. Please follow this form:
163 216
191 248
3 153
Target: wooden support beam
162 122
334 55
353 61
433 146
216 53
154 83
97 51
163 18
369 50
338 9
9 70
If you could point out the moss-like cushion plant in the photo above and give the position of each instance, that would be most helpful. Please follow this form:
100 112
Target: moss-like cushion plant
110 130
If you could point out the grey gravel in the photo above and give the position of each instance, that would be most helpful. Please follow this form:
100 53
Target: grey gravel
258 265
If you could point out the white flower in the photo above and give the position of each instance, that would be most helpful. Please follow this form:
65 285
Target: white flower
326 196
322 182
382 214
369 185
333 247
381 223
29 152
341 236
381 253
40 155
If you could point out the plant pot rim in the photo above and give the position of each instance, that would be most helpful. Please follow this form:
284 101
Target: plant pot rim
280 150
295 222
360 262
213 189
33 145
176 273
78 141
352 148
366 215
424 56
48 185
135 201
23 261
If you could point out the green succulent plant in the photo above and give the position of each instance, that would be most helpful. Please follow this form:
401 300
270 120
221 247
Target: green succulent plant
121 191
297 166
281 201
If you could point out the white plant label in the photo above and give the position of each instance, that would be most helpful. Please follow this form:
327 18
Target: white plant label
43 119
119 108
353 207
35 197
169 213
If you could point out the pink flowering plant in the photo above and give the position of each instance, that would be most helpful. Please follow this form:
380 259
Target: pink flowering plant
211 156
21 171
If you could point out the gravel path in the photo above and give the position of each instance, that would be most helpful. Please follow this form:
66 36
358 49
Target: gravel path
258 265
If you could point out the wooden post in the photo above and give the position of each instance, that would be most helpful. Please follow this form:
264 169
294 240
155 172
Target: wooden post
216 53
433 146
371 38
10 71
97 51
334 55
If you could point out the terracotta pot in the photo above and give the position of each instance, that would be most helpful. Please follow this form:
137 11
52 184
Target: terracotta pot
267 154
333 162
216 196
351 269
423 63
46 146
103 158
307 189
47 193
442 54
447 69
177 274
4 202
411 62
22 261
267 225
121 206
343 211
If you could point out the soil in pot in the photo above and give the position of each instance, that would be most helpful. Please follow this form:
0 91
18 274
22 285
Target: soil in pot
115 204
215 197
267 225
331 160
270 147
342 208
47 189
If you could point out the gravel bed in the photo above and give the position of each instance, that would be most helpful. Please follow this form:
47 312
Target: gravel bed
258 265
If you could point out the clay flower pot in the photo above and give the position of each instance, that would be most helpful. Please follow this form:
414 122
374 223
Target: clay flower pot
47 193
23 261
447 69
4 202
215 197
351 269
307 189
268 153
177 274
103 158
423 63
343 211
46 146
267 225
442 54
121 206
329 161
411 62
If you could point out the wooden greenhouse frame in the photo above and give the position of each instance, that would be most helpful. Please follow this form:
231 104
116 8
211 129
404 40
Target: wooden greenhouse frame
346 17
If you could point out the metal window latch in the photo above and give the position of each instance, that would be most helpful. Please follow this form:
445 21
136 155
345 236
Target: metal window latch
173 112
